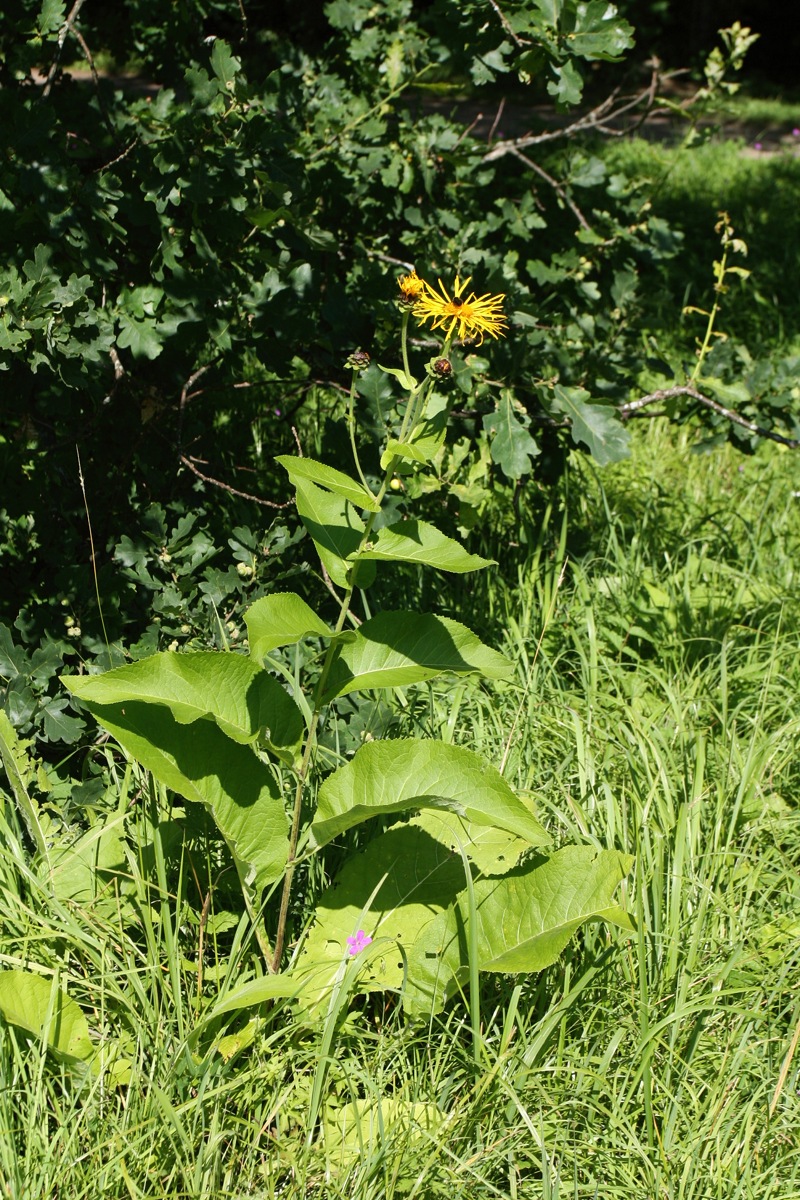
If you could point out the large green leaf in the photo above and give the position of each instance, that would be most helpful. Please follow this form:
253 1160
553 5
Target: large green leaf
200 763
413 875
393 890
416 541
398 648
336 528
524 921
93 866
280 620
597 426
305 469
512 447
392 776
37 1005
229 689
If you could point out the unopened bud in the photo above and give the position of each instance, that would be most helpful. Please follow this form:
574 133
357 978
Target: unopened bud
440 369
358 361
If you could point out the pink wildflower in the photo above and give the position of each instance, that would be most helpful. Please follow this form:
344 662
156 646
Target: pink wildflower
358 943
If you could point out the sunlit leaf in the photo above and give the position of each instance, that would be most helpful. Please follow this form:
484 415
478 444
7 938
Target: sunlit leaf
280 620
525 919
388 777
37 1005
243 699
416 541
329 478
398 648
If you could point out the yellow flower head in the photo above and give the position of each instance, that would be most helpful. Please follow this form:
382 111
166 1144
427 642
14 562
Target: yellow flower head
411 288
472 316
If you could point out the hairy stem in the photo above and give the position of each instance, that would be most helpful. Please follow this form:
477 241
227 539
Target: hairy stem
414 413
351 428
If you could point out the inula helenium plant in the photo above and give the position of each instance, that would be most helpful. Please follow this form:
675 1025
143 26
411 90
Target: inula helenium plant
460 878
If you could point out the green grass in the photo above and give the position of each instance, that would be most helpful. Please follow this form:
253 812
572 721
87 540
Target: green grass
654 709
689 187
759 110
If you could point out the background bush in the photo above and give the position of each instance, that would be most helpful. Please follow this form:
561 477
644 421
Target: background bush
193 252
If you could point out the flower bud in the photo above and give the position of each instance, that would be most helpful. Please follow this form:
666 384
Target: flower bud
440 369
358 361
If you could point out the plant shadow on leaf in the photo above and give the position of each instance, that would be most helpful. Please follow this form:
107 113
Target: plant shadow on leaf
200 763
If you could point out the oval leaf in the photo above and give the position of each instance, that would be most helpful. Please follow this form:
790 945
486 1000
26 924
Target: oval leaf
229 689
525 920
30 1002
398 648
416 541
415 875
336 528
280 620
329 478
200 763
393 776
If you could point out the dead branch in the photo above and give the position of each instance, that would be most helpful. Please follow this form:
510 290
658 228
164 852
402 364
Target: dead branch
596 120
557 187
634 406
188 462
68 27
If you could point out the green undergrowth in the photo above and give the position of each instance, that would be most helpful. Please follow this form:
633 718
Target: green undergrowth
689 186
776 111
653 622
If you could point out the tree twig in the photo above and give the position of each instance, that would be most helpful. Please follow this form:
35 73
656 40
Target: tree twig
187 462
67 27
496 121
634 406
558 188
508 27
185 397
597 119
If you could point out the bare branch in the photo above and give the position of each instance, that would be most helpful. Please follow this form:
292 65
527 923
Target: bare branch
187 462
496 121
597 119
245 25
507 26
123 154
634 406
67 27
396 262
560 191
119 374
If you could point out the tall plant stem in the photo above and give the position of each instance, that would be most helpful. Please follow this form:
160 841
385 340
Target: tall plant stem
311 741
414 413
351 429
404 341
